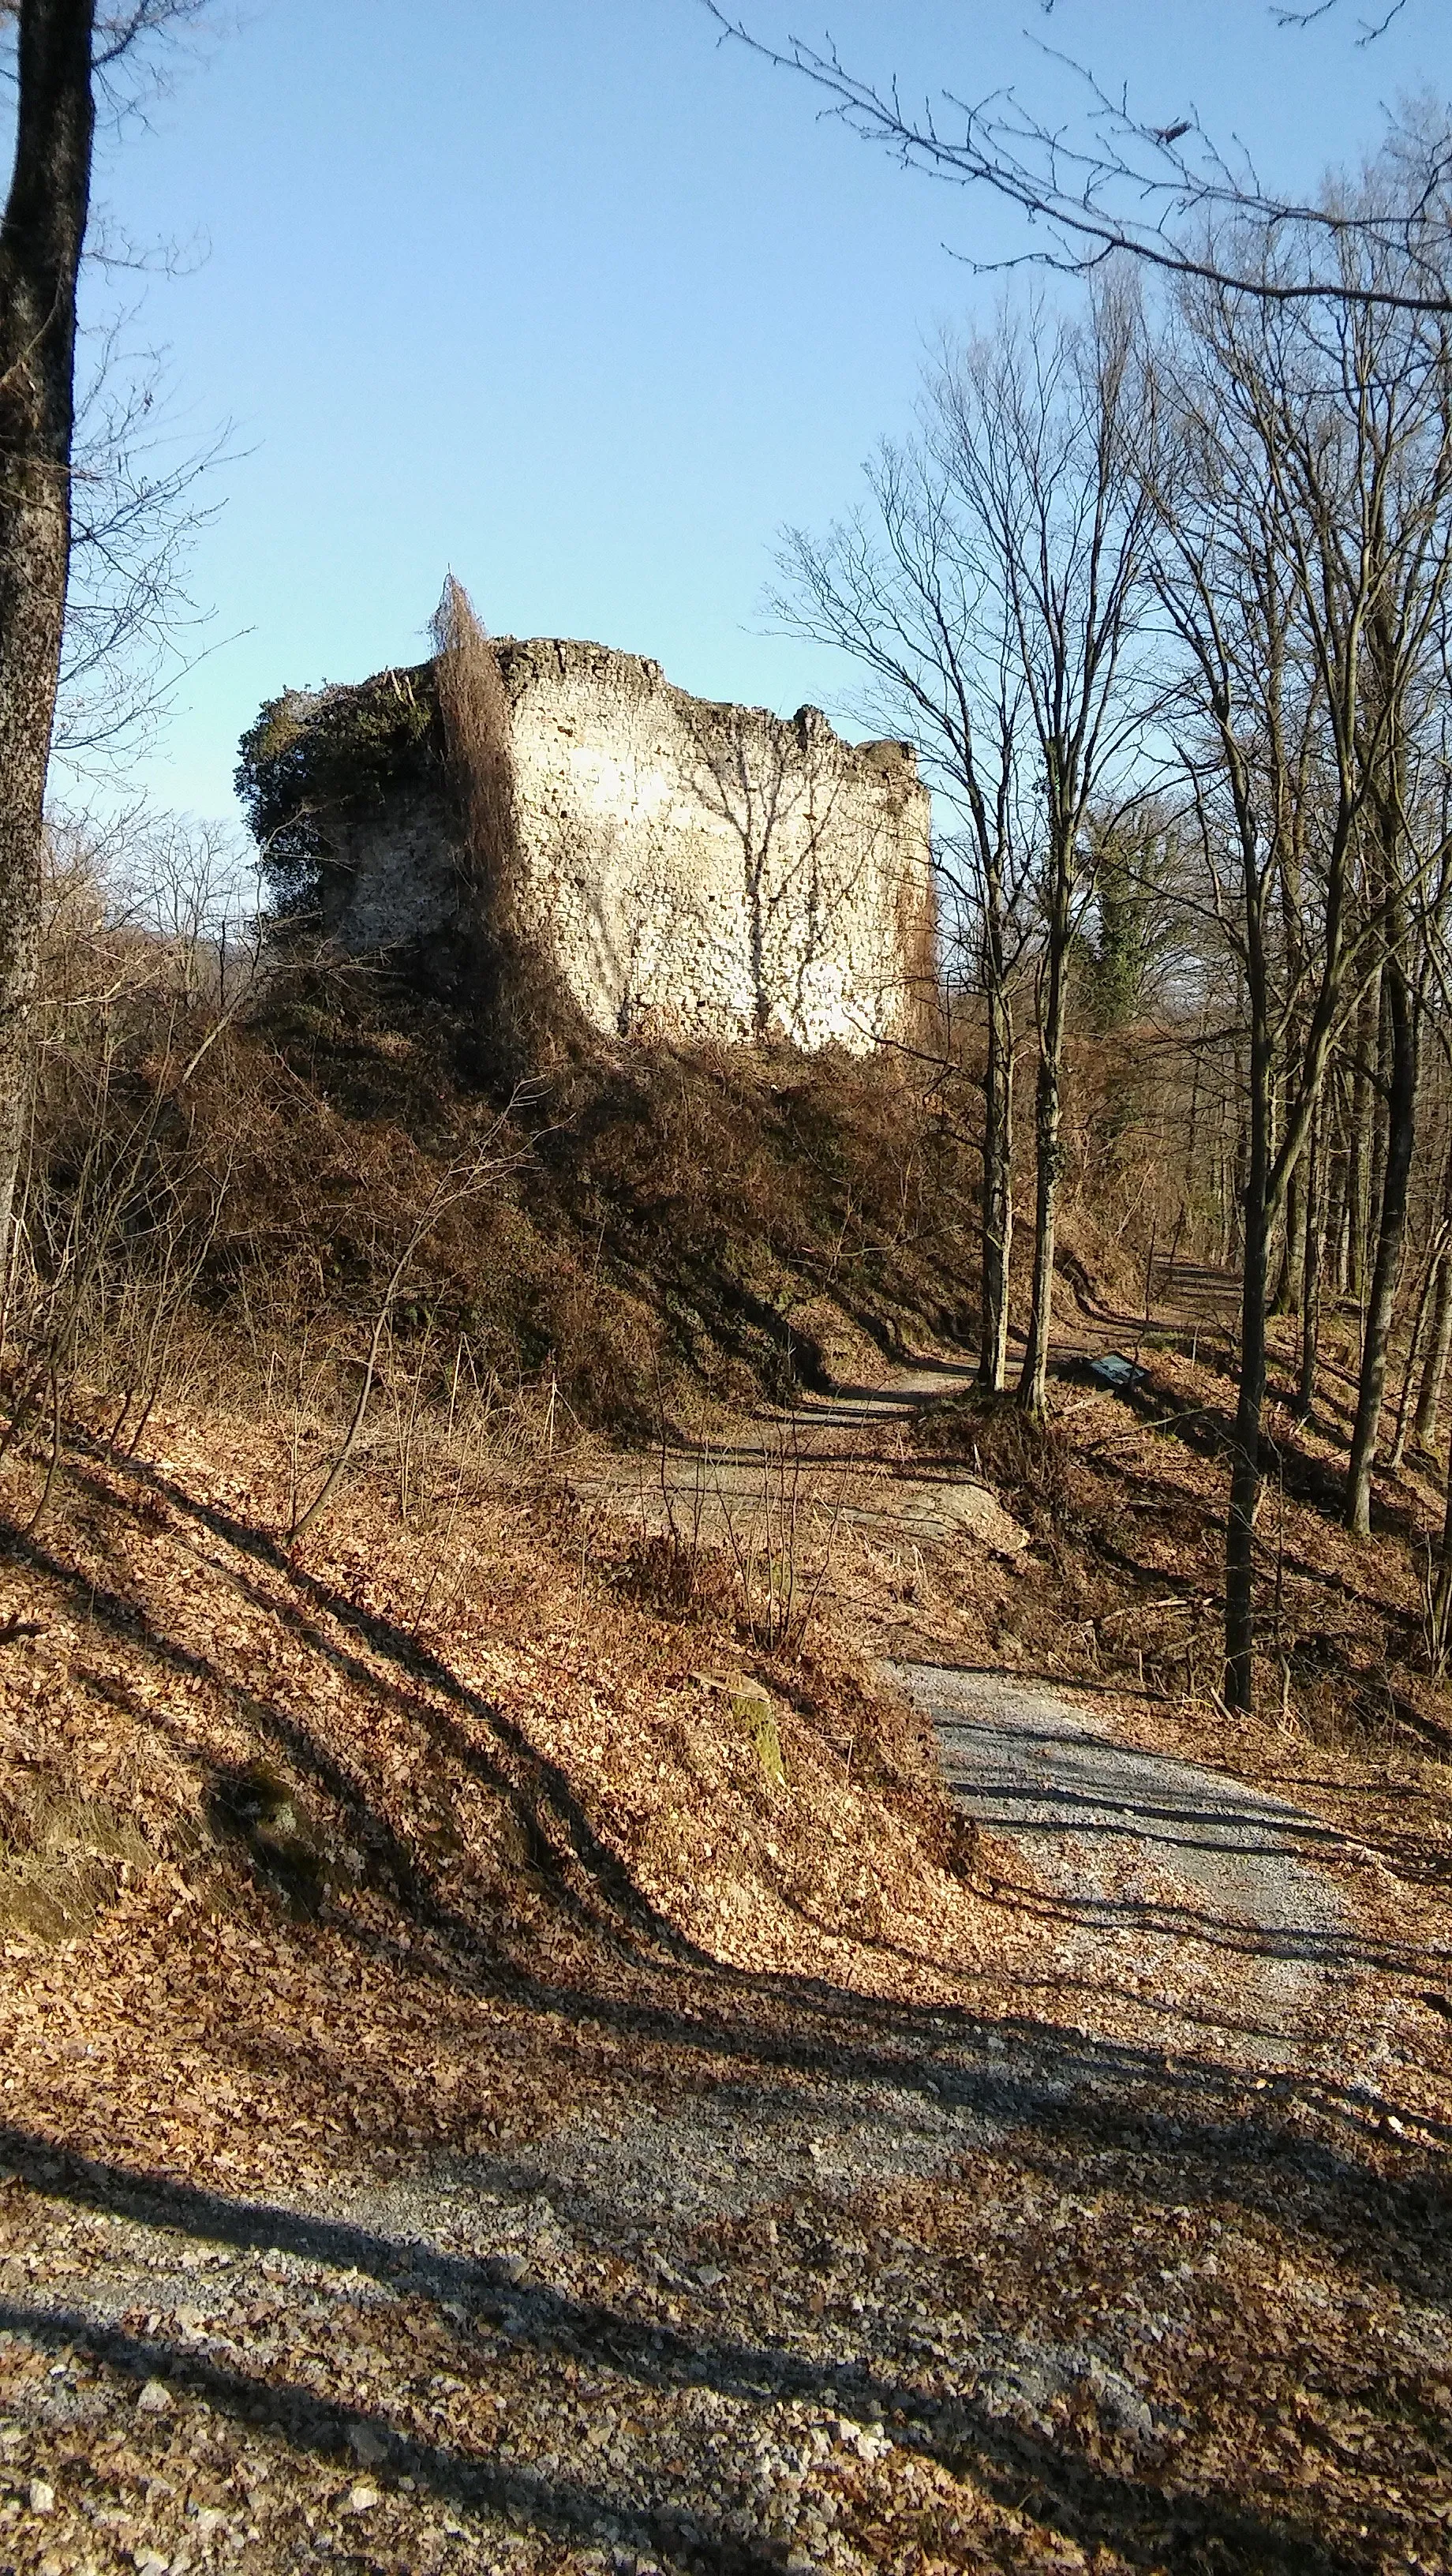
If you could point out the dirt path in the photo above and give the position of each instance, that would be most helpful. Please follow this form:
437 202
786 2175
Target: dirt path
825 1461
1214 1891
846 1457
1209 1897
805 2284
1134 2258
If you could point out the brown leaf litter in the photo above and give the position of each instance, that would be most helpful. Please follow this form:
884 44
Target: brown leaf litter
498 2113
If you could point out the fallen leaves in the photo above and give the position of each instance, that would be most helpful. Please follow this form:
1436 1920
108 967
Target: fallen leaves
589 1909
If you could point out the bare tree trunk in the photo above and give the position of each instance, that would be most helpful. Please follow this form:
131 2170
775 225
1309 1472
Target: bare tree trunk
1416 1343
1442 1591
1222 1193
1429 1400
997 1235
40 249
1361 1152
1336 1152
1311 1269
1048 1112
1192 1143
1245 1456
1293 1249
1380 1142
1239 1182
1401 1129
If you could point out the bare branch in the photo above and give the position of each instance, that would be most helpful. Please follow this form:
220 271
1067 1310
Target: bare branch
1307 15
1114 182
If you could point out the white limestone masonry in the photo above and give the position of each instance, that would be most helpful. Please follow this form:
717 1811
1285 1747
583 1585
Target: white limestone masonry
691 870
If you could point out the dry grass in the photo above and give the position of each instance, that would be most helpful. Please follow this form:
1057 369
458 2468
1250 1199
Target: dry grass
63 1860
667 1229
523 1017
238 1182
468 1763
476 721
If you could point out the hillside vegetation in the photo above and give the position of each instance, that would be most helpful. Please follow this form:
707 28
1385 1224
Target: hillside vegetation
447 1768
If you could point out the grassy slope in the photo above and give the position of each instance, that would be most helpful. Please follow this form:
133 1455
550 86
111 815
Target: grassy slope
517 1760
413 1788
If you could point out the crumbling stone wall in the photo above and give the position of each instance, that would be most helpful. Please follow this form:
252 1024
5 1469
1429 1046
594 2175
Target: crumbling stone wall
687 869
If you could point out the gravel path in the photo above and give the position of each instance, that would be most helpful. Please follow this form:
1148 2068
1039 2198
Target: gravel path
1150 1852
1131 2267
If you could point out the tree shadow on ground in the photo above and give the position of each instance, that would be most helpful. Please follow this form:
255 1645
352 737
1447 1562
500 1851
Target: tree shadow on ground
811 2023
643 1981
1145 2508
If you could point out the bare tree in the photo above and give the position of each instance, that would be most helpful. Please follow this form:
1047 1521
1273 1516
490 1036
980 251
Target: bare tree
912 588
1438 1345
1157 189
66 51
139 495
989 593
1043 428
1304 500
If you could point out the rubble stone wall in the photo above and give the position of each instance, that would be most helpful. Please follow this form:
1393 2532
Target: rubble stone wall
690 870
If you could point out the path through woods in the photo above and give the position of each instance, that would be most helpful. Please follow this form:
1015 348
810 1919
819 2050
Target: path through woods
1135 2258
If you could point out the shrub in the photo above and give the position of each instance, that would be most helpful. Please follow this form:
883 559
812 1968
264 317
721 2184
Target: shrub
313 758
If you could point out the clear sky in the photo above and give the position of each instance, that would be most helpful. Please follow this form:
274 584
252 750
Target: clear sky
565 296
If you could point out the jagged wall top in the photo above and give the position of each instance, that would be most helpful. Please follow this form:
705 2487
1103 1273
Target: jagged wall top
686 867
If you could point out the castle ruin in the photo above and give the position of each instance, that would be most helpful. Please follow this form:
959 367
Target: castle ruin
685 870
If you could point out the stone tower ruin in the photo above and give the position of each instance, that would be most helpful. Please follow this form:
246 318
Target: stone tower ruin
684 870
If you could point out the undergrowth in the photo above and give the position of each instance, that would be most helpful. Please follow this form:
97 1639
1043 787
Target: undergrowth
1123 1499
648 1236
63 1858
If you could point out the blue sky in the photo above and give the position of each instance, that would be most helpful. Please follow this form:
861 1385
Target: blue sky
564 296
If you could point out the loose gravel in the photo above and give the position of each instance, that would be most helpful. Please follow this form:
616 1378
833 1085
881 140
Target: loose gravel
1144 1844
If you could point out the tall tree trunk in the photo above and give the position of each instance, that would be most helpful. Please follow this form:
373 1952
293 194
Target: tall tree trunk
1362 1146
1189 1194
1381 1124
1416 1344
1311 1268
1335 1155
1048 1113
40 250
1442 1589
997 1222
1292 1263
1380 1134
1245 1455
1401 1129
1239 1182
1429 1399
1225 1195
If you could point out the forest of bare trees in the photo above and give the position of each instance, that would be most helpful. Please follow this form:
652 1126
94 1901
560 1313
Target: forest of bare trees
1160 589
1162 594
